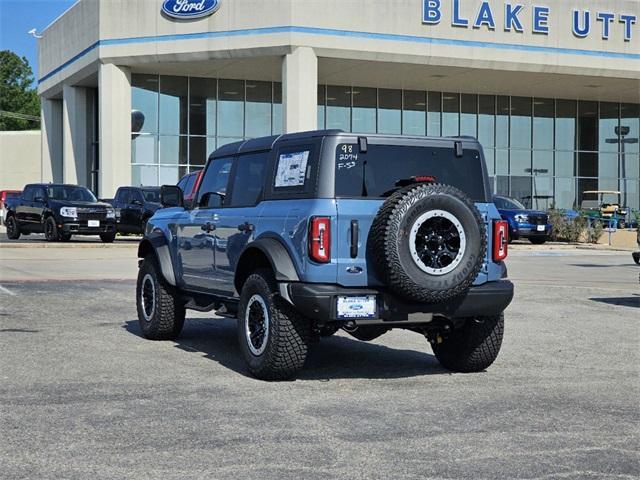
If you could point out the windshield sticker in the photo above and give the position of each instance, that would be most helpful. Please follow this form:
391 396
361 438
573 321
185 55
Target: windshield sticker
292 169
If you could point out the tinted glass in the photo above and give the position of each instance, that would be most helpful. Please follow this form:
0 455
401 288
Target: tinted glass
144 98
28 193
322 99
216 177
469 115
339 108
70 193
608 127
202 106
258 109
187 186
364 110
151 195
248 181
122 195
450 114
414 118
507 203
390 111
383 165
277 122
173 150
434 112
588 126
183 182
543 113
566 112
520 122
173 105
231 108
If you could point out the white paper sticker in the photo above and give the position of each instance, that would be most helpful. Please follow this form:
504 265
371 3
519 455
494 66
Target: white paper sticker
292 169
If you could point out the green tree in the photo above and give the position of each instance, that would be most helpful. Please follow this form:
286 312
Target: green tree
17 95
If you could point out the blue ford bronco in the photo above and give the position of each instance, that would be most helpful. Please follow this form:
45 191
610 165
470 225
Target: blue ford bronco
300 235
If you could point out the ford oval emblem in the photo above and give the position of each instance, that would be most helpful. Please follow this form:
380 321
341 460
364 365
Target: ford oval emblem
355 306
353 269
188 9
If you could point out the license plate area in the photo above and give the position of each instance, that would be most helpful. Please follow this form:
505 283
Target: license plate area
93 223
350 307
541 228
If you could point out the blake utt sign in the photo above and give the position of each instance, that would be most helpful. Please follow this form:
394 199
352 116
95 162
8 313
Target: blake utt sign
509 16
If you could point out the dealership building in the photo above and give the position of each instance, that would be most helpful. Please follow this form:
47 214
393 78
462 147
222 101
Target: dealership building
141 92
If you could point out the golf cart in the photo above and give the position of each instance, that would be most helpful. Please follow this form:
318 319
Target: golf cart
606 205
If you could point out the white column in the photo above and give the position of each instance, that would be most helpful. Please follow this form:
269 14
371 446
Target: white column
300 90
74 135
114 92
51 137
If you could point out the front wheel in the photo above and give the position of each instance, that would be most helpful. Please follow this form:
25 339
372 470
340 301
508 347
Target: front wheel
13 231
51 232
161 312
472 347
108 237
273 336
538 241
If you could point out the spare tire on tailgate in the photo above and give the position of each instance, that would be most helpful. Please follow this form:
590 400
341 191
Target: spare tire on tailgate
428 242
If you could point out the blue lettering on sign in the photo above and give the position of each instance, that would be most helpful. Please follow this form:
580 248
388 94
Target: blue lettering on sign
485 17
431 12
458 21
628 21
541 20
511 19
581 28
581 20
187 9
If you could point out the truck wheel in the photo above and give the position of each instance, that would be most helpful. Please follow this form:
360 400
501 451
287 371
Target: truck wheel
51 233
538 241
366 333
472 347
13 231
160 310
108 237
273 336
428 242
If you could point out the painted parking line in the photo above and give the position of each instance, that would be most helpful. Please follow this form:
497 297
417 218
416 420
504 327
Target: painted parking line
6 291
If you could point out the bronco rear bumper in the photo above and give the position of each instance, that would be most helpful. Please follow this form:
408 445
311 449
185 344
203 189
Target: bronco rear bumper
319 301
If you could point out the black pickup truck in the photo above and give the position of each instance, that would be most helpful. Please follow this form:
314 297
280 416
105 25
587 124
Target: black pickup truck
134 206
59 211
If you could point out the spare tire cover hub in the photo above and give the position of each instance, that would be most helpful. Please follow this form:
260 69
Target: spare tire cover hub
437 242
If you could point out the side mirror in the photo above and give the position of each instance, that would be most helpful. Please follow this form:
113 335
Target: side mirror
171 196
136 202
211 200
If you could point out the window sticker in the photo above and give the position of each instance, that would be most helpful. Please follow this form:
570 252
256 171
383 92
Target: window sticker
292 169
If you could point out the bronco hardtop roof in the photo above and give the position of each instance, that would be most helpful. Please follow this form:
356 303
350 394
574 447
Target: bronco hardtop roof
268 143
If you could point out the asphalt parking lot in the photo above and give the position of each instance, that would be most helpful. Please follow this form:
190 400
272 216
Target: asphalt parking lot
83 395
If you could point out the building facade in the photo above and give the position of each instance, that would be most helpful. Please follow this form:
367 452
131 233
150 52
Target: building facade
135 93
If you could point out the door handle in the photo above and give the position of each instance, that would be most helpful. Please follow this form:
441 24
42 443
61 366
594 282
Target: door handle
246 227
208 227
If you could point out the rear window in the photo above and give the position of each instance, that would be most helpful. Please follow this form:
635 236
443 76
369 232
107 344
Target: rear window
375 173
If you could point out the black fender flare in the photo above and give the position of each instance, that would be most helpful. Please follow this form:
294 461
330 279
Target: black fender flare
277 255
157 243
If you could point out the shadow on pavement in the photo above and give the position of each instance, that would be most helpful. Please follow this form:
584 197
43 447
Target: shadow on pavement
633 301
332 358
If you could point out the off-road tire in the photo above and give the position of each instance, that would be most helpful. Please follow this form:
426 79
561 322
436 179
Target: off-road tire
389 241
13 231
51 232
108 237
166 319
472 347
289 332
538 241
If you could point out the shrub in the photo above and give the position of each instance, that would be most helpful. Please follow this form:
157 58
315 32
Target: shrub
565 229
594 232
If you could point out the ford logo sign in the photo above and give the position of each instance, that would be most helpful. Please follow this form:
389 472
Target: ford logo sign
187 9
355 306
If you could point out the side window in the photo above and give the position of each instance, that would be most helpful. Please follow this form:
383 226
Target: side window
120 195
248 179
216 178
28 193
137 195
39 193
294 171
183 182
188 185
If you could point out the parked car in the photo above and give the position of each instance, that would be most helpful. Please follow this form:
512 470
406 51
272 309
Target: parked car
4 195
523 222
189 185
300 235
60 211
134 207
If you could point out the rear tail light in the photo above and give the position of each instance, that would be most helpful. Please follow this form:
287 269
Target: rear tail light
500 240
320 239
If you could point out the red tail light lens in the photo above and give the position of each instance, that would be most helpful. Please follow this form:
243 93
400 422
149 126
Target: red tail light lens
500 240
320 239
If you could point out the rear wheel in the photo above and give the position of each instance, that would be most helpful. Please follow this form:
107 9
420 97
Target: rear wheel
13 231
161 312
273 336
472 347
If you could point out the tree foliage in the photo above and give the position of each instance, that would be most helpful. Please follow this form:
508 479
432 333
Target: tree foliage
17 94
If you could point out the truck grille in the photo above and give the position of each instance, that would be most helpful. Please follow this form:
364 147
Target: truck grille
538 219
85 214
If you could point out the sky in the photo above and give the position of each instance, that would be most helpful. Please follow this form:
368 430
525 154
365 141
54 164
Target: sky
17 17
